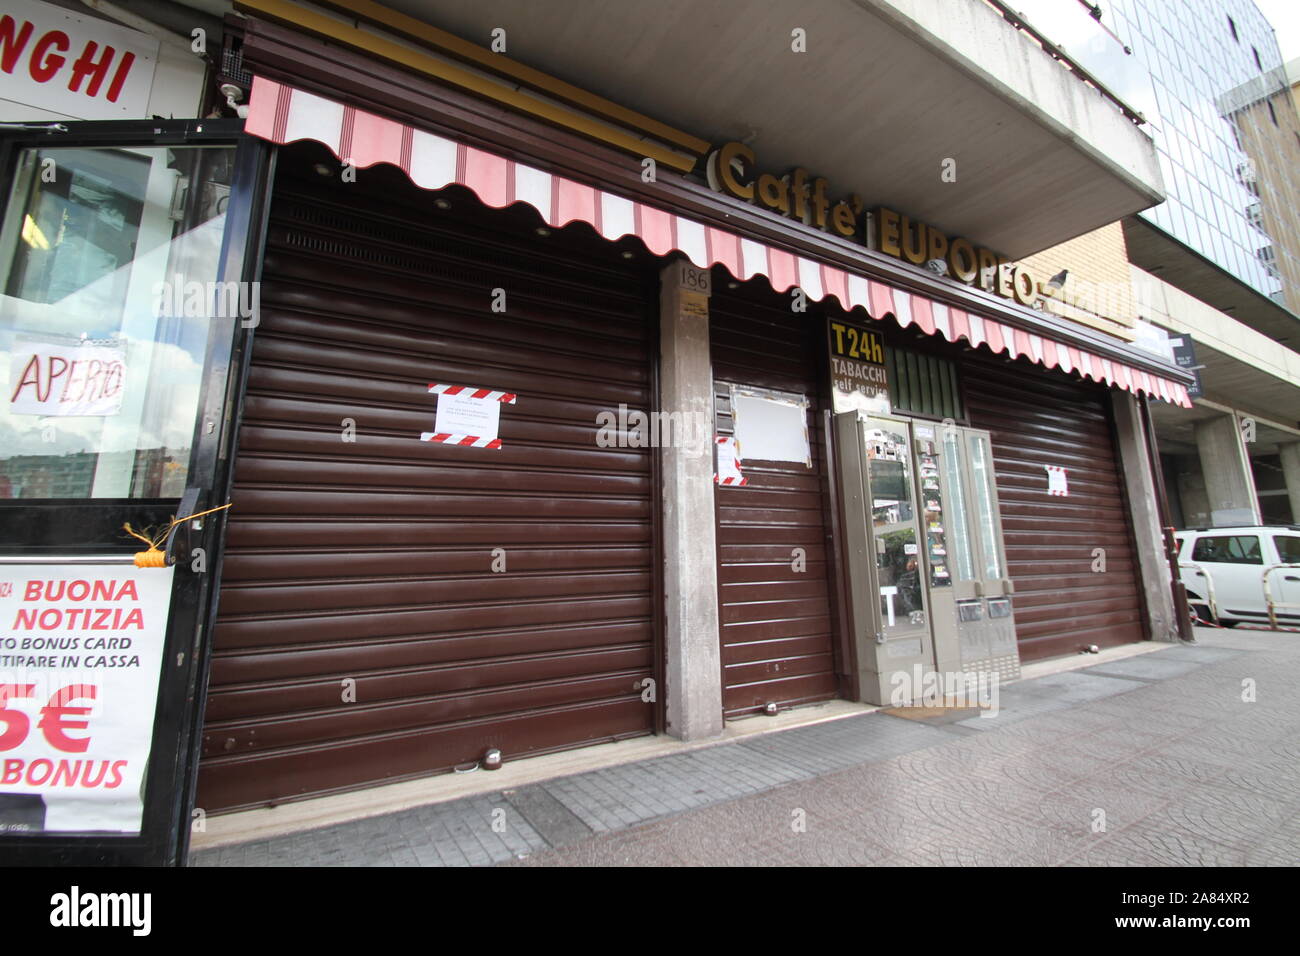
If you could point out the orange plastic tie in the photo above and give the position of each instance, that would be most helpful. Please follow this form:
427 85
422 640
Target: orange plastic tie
154 557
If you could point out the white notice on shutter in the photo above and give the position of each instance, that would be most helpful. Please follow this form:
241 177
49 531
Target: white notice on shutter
1056 481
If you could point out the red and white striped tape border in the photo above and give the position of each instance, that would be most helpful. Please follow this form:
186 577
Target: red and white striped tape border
486 393
722 440
467 441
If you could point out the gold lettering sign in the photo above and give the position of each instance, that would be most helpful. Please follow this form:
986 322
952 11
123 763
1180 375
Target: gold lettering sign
916 242
732 169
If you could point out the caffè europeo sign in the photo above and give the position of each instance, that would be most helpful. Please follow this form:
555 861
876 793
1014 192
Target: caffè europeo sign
732 170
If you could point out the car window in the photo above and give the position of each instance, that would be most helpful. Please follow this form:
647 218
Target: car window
1288 548
1228 549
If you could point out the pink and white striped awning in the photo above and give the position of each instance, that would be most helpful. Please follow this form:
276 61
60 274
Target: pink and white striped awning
282 114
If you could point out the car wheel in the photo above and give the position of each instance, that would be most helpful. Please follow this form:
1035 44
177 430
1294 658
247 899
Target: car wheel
1201 614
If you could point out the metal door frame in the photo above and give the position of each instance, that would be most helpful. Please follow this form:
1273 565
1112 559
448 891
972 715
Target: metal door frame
172 766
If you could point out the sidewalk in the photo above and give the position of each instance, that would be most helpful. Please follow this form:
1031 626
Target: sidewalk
1160 749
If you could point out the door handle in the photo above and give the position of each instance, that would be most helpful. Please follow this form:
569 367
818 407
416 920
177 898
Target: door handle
1292 577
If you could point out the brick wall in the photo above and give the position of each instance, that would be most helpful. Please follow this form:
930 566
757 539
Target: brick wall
1098 290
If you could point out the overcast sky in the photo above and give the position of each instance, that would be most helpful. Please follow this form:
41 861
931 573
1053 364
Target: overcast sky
1285 17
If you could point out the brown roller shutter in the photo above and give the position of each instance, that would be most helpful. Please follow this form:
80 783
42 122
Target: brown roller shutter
372 560
1035 420
776 622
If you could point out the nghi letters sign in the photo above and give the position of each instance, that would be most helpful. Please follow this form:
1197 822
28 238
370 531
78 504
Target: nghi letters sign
74 66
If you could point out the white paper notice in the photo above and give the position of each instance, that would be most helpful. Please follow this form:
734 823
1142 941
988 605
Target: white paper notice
771 430
729 463
80 663
48 379
1056 481
462 414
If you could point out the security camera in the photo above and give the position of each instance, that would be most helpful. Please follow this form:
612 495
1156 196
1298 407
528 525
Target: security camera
233 95
937 266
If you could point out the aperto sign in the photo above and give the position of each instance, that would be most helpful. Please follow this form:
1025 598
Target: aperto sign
75 66
52 379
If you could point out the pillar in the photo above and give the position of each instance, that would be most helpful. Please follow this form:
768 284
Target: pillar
1290 454
1229 482
1139 481
694 662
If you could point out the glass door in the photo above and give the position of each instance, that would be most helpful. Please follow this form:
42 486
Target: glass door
960 545
128 257
895 528
991 566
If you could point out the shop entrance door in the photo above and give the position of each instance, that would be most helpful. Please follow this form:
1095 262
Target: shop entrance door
895 528
126 294
974 629
925 555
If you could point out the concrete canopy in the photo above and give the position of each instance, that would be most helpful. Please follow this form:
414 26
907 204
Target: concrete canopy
887 90
1162 255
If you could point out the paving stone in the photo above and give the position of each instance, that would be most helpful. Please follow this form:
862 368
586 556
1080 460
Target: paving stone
1077 687
1145 667
1199 653
1187 773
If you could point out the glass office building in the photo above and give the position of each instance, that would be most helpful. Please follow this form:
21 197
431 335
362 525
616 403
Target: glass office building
1228 151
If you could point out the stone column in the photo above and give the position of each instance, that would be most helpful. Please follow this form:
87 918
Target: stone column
694 660
1229 482
1290 454
1139 482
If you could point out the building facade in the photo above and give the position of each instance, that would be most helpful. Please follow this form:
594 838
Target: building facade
1215 266
512 394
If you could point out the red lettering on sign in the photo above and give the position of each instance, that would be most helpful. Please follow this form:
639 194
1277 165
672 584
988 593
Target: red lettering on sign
65 774
88 380
88 66
115 780
45 64
11 45
15 721
31 771
58 717
31 376
78 590
119 78
46 60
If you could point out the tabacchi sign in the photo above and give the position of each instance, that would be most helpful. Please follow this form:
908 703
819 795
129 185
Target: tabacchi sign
731 169
74 66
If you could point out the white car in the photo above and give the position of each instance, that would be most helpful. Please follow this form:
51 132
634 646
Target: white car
1224 571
